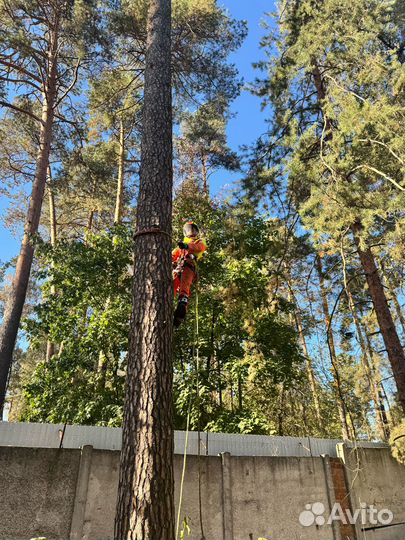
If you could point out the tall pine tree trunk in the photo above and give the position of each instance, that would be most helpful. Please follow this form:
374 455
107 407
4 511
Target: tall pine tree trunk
394 299
384 413
121 176
367 363
332 350
310 369
397 305
389 333
15 302
204 176
321 95
366 358
145 506
52 210
50 346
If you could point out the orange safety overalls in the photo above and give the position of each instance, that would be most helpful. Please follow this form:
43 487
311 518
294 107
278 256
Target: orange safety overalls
185 273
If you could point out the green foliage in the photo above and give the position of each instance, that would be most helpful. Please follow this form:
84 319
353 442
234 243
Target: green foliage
334 154
202 145
244 343
397 441
336 85
88 316
203 36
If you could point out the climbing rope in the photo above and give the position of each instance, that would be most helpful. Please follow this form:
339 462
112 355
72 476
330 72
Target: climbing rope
196 362
197 354
183 472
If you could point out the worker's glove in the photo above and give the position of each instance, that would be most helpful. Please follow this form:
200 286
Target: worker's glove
182 245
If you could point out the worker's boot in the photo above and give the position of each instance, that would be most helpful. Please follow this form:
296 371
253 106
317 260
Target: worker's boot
180 311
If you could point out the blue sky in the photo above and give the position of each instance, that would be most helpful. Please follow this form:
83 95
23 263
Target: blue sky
249 120
243 129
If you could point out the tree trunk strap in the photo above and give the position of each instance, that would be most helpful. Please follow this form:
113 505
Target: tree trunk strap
152 230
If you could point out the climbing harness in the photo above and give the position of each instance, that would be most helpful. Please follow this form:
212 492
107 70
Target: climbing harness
183 262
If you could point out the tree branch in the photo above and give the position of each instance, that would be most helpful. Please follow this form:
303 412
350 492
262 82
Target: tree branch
385 146
19 109
71 85
20 69
380 173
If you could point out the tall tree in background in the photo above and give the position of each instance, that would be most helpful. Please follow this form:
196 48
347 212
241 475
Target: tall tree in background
335 85
145 507
115 104
340 401
41 52
202 146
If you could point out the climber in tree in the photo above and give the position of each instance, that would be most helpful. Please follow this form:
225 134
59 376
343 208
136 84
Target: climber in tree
184 258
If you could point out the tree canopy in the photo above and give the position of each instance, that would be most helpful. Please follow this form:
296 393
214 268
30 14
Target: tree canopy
295 325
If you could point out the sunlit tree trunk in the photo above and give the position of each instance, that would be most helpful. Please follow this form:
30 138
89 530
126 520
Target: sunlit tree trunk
50 346
281 410
204 175
394 298
119 203
367 363
15 302
145 506
332 350
309 367
395 351
90 220
397 306
219 375
384 413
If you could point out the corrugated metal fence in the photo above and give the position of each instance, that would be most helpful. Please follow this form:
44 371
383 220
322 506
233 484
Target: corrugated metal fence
212 444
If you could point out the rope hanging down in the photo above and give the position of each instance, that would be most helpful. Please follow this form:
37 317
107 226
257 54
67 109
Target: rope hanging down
196 362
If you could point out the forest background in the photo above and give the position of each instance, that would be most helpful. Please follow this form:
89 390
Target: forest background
300 201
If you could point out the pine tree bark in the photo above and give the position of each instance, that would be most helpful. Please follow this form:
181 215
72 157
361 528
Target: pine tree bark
121 176
52 211
15 302
204 176
394 299
145 507
90 220
389 333
281 410
50 346
397 306
310 369
332 350
367 362
384 413
366 358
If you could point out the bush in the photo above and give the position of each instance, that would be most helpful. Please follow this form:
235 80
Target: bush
397 442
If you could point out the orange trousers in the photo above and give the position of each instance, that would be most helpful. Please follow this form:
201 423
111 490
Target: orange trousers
182 283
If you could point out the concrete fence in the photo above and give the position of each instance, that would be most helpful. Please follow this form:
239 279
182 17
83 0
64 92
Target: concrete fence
71 493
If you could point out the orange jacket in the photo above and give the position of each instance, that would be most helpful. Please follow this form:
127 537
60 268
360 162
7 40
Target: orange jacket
196 247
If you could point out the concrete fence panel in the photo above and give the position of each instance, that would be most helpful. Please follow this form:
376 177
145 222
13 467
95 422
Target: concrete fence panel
71 494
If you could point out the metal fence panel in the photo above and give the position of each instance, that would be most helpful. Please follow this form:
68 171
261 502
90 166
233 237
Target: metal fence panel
212 444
